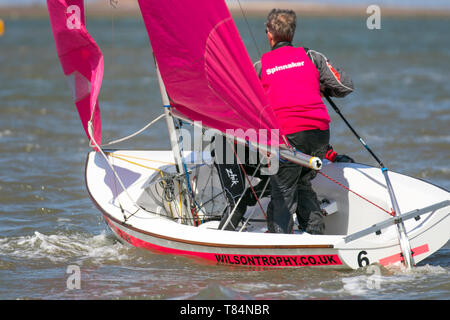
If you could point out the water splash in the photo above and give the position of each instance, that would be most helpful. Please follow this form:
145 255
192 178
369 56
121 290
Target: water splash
60 248
378 282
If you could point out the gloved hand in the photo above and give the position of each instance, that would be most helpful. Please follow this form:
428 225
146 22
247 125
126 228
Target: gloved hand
343 158
332 156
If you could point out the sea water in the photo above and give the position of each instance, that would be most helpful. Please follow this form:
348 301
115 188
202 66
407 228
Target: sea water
49 228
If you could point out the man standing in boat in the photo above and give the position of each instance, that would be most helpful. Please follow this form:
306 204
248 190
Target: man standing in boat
294 80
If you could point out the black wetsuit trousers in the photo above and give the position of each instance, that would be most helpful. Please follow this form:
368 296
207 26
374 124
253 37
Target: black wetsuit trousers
291 190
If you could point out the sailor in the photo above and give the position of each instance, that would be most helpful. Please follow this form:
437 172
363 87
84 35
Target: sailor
295 79
234 192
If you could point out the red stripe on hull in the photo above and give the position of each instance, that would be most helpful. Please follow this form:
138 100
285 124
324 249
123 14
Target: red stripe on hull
236 259
398 256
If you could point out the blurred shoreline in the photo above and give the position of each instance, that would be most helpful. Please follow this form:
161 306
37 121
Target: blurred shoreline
129 8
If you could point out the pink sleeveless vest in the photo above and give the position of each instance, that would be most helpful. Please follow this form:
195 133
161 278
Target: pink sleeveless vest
291 82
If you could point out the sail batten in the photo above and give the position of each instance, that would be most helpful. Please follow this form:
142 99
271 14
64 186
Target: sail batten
205 66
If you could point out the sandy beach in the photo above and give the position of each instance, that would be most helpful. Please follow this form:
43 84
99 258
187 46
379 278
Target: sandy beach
305 8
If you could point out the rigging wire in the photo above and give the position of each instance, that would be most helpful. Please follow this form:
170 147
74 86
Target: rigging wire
254 208
244 192
249 28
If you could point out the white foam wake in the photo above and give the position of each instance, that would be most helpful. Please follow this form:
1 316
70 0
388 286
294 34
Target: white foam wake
63 247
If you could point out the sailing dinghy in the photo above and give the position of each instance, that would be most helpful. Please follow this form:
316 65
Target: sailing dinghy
171 201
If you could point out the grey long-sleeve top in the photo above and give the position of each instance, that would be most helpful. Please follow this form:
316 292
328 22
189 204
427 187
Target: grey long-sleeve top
334 82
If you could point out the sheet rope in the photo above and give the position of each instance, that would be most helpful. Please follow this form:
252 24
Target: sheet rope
392 213
131 135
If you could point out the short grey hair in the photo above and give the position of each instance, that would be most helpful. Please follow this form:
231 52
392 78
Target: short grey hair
281 23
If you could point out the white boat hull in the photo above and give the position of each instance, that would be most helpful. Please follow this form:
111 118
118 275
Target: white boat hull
343 245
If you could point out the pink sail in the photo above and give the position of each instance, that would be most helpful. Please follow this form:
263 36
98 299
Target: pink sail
81 60
205 67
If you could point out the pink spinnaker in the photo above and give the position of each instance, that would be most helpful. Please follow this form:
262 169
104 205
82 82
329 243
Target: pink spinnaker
81 60
205 66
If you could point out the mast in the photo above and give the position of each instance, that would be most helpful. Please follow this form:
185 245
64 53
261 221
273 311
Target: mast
181 168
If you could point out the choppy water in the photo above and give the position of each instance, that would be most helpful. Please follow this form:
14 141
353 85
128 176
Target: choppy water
47 222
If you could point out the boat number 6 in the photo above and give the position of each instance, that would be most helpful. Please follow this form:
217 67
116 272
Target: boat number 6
363 261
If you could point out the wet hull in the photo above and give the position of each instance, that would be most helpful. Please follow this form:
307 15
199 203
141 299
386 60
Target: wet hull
344 246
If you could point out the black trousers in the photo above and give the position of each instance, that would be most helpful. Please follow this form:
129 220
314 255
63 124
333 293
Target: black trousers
291 190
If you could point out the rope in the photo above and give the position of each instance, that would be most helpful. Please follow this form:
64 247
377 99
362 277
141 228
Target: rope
144 159
91 134
134 134
192 202
135 163
392 213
